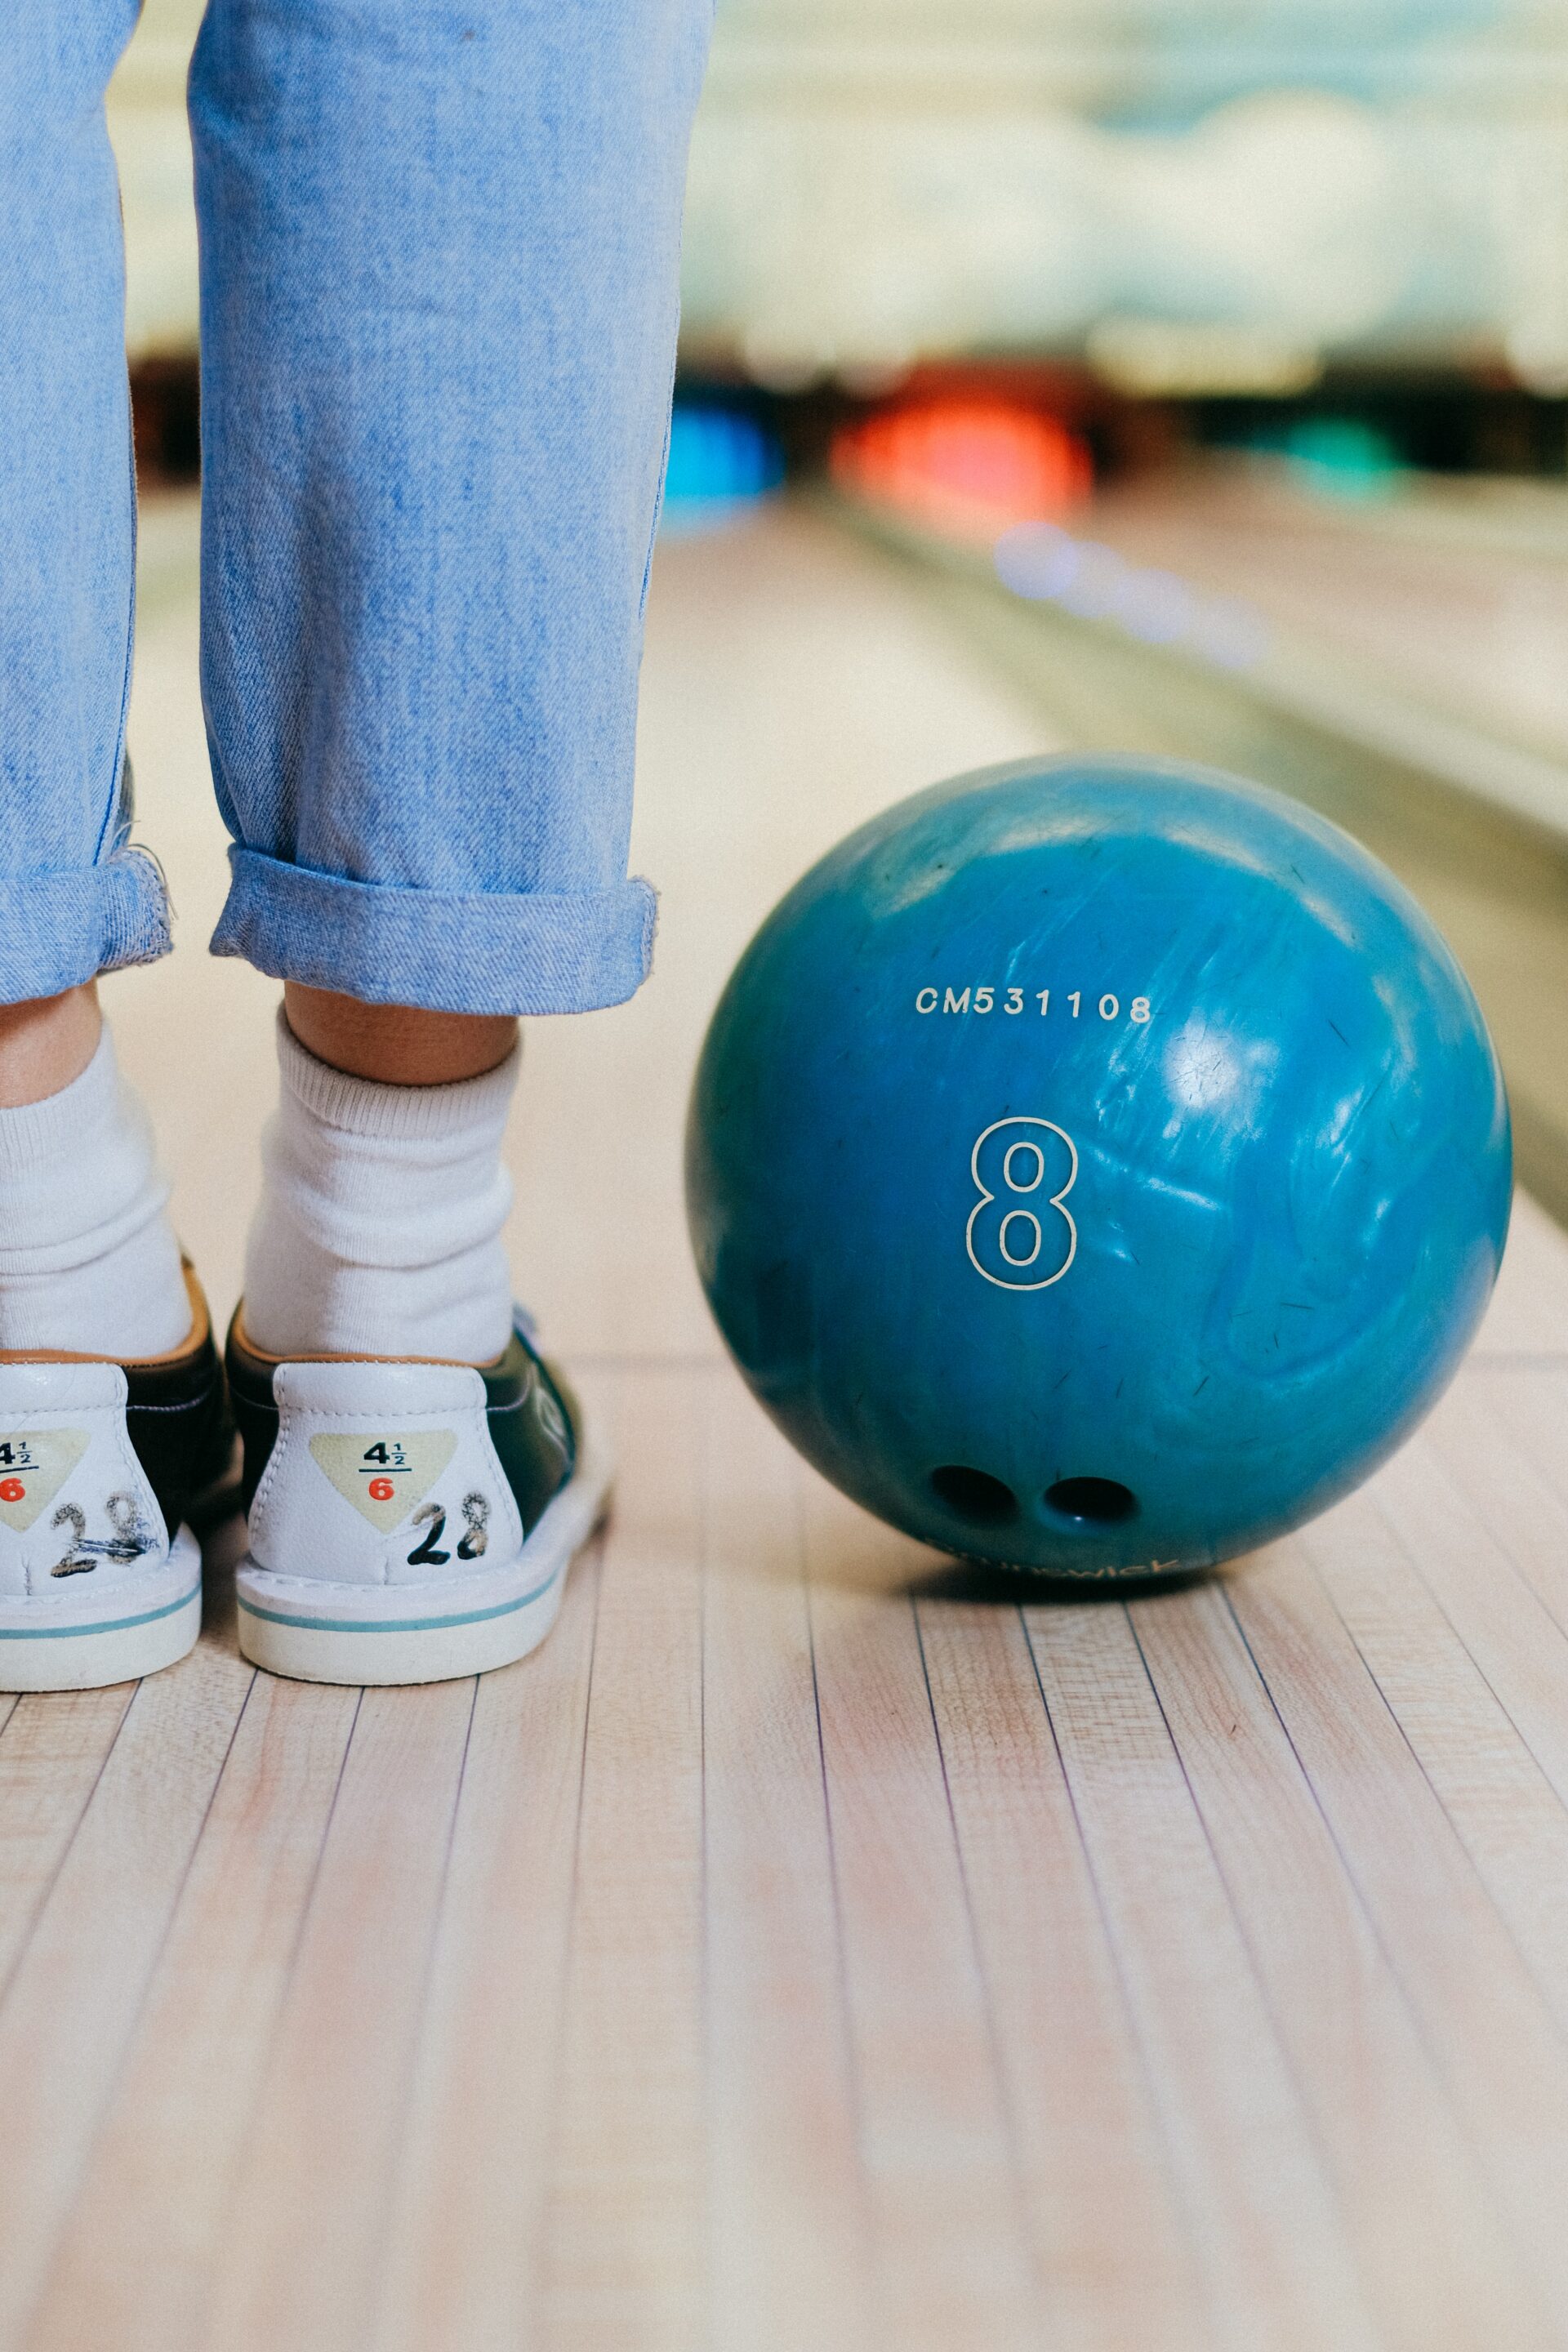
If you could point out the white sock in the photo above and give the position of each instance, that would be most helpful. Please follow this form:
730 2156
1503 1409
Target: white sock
88 1262
378 1230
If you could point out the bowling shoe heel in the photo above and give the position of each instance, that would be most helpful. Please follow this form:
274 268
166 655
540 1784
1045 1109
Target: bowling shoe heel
101 1578
409 1522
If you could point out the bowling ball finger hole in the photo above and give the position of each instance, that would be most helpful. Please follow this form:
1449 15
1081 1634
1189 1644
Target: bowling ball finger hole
1092 1502
974 1495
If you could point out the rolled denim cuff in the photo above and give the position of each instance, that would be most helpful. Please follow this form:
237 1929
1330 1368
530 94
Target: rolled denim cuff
449 951
59 928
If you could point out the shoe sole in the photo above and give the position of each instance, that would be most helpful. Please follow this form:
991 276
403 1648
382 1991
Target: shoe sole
313 1631
57 1644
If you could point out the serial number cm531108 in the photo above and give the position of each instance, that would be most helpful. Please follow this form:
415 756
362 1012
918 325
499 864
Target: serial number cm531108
1071 1003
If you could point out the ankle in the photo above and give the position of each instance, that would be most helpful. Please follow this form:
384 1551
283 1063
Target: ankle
396 1044
45 1042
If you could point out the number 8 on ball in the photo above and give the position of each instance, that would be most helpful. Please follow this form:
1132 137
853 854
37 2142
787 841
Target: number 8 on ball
1015 1239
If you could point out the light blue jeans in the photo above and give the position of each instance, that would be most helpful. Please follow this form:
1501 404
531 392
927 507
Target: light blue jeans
439 243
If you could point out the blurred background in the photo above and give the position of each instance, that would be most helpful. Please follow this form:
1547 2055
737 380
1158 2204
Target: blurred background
1200 366
1189 198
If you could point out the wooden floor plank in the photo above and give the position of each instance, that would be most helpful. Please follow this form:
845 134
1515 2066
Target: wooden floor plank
1501 1435
1268 2235
1521 1411
1471 1538
944 2178
82 1980
624 2254
1108 2243
52 1749
1441 2273
1509 1818
791 2224
461 2261
1482 2016
303 2231
137 2266
1483 1695
1528 1315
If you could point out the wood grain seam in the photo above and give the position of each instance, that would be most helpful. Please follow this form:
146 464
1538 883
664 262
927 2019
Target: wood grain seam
1558 1796
47 1891
1175 2185
399 2134
1006 2107
242 2139
853 2079
549 2170
114 2073
1306 2120
1501 2204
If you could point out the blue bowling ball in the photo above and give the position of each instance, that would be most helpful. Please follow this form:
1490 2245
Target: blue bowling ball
1098 1166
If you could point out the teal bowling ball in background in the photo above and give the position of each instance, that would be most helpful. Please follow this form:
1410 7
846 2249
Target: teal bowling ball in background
1098 1166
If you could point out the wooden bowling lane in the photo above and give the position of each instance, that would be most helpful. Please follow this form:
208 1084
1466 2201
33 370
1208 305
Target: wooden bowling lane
1453 590
810 1946
1495 880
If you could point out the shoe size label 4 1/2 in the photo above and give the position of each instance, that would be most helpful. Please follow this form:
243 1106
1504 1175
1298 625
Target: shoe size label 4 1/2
384 1477
34 1465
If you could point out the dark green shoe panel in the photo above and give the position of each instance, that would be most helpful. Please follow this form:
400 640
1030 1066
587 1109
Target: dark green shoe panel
533 1419
177 1419
530 1414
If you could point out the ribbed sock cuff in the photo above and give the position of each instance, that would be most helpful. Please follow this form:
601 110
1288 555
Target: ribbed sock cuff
395 1114
88 1261
34 1134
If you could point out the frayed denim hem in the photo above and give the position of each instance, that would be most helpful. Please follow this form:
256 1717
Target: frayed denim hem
58 930
449 951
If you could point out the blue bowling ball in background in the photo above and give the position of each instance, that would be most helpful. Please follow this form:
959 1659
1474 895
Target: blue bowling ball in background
1098 1166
